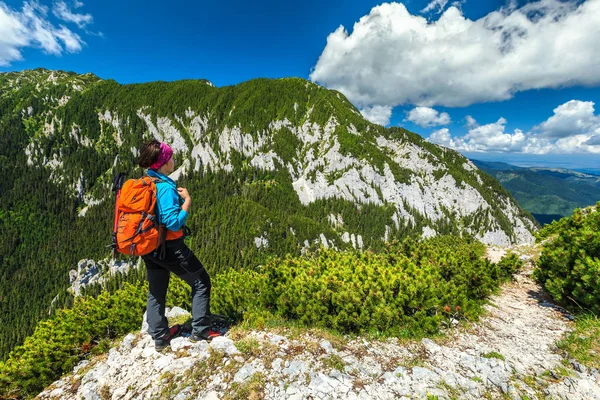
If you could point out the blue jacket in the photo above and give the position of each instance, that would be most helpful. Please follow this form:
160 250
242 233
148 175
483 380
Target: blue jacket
169 203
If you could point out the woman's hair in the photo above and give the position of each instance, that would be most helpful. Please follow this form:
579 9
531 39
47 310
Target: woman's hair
149 152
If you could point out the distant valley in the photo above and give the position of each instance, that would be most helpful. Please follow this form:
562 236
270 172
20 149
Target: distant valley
547 193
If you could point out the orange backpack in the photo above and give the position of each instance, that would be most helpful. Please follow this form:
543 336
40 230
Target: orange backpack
136 230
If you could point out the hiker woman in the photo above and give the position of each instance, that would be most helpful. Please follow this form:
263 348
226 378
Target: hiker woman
173 205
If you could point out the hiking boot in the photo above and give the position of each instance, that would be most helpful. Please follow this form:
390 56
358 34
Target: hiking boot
208 336
164 341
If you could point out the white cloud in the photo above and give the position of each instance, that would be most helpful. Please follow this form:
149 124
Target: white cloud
30 27
573 117
458 3
392 57
471 122
377 114
13 34
426 117
442 137
62 11
492 137
71 40
439 4
489 137
573 129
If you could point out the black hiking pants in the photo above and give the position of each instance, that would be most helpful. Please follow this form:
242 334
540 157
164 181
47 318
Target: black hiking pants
180 260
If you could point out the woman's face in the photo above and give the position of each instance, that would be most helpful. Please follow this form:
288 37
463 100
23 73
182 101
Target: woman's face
168 167
171 165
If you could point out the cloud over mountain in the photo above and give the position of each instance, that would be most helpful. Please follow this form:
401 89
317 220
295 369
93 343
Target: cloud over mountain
426 116
30 27
377 114
574 128
62 11
392 57
572 118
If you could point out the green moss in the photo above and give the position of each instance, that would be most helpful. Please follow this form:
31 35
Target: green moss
249 347
105 393
334 361
181 320
252 389
493 354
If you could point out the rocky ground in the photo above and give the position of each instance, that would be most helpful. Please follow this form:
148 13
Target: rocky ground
510 353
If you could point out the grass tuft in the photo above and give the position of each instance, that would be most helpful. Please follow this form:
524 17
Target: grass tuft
493 354
583 343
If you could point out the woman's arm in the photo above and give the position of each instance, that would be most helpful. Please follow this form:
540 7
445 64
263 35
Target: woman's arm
172 215
187 199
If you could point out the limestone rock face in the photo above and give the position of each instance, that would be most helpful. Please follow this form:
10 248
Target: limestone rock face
324 146
90 272
321 169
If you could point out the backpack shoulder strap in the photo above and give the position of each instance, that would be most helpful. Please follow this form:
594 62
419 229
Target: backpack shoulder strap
153 179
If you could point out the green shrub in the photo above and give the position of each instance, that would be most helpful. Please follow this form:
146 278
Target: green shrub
408 289
236 293
569 266
58 344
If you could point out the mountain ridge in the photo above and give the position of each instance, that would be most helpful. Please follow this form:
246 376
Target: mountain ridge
275 166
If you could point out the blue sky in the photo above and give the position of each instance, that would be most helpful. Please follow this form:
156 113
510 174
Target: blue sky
528 99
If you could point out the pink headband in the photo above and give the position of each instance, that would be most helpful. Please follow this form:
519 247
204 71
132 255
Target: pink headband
166 152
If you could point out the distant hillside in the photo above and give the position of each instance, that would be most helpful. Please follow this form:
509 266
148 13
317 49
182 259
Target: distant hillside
496 166
590 171
547 193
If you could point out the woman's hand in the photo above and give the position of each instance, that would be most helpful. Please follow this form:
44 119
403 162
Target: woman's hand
187 199
183 193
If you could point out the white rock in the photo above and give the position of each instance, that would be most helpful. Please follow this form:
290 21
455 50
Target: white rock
295 368
81 364
176 312
431 346
278 339
276 365
145 322
149 352
322 383
244 373
420 373
224 344
183 395
127 342
212 395
326 345
180 343
199 349
162 362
